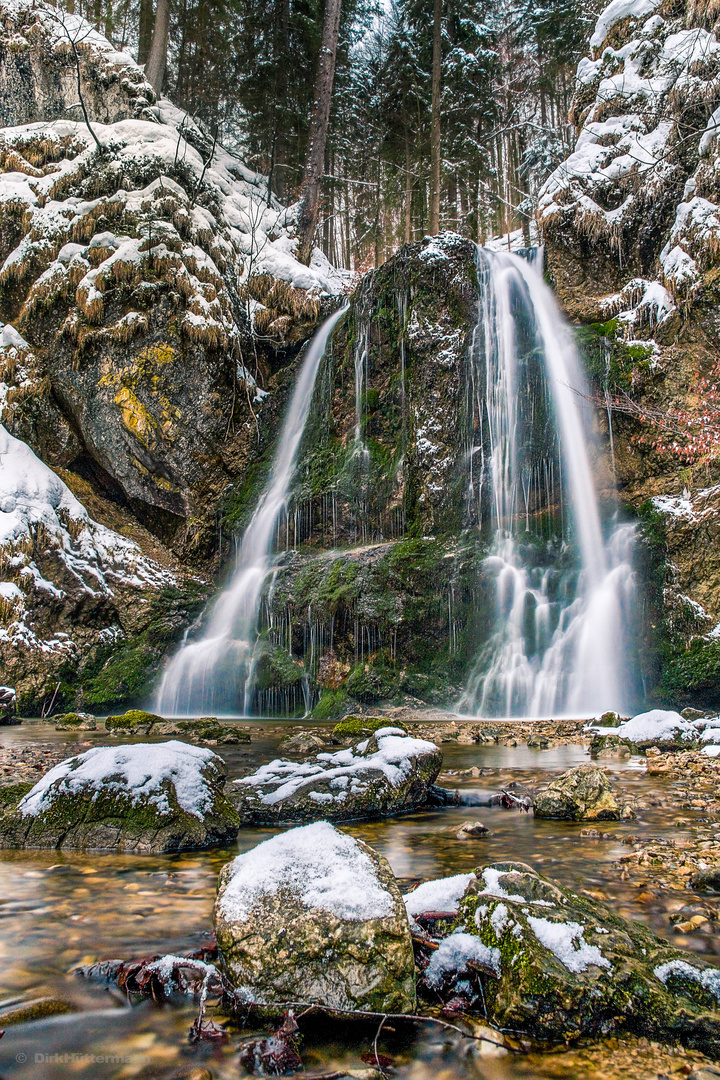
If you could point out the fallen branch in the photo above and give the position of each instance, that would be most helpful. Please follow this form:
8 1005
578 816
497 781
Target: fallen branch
356 1014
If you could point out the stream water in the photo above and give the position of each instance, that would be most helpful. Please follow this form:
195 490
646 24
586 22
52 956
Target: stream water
59 910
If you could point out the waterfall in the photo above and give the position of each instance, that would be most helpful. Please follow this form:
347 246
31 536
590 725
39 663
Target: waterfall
215 673
561 627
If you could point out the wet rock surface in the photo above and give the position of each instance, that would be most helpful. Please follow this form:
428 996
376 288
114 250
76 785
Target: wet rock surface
313 915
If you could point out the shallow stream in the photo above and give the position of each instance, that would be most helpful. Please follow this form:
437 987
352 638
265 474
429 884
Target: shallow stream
60 910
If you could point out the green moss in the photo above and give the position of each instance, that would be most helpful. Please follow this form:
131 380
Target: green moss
116 675
355 727
696 670
332 703
132 720
11 794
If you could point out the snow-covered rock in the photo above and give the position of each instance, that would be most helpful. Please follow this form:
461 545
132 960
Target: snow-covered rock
145 797
314 915
55 563
618 190
557 965
382 775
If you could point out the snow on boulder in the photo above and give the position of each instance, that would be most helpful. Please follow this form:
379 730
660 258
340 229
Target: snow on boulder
657 727
442 894
532 957
53 556
145 797
379 776
314 915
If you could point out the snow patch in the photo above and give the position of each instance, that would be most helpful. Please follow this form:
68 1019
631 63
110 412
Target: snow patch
138 771
324 868
455 953
566 941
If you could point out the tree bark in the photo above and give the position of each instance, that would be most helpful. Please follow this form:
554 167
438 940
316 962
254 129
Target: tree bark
145 30
310 190
157 58
408 190
435 133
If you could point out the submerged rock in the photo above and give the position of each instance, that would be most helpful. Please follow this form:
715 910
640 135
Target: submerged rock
383 775
580 794
472 829
565 966
147 797
313 915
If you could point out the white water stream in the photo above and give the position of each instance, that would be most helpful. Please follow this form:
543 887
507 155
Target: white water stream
214 674
556 647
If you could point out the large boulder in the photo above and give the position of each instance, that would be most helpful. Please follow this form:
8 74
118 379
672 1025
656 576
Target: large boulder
379 776
315 915
580 794
559 966
147 797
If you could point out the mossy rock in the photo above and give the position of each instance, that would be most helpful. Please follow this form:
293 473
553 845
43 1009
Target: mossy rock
355 727
206 727
133 720
570 968
376 778
74 721
149 797
11 794
580 794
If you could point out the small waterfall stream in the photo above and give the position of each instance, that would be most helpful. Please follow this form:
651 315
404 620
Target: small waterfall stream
560 639
215 672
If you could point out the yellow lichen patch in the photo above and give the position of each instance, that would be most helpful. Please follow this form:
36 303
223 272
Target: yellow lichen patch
153 357
136 418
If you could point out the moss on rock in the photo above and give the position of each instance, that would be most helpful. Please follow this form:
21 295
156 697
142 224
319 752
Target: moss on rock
357 727
133 720
571 968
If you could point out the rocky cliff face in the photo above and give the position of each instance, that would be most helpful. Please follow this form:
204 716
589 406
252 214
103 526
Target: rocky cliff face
138 264
631 223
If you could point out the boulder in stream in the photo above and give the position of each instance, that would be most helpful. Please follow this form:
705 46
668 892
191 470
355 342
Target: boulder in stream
580 794
385 774
148 797
557 966
75 721
313 915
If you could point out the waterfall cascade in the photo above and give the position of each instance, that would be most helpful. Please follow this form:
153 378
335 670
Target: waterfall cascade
214 674
561 636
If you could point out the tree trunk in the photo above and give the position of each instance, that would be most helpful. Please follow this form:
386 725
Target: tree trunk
310 191
145 30
408 190
434 225
157 59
